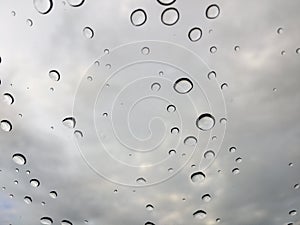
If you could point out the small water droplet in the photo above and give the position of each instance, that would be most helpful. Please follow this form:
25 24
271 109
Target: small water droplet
183 85
29 22
35 182
166 2
237 48
53 194
6 125
149 207
16 182
170 170
108 66
149 223
238 160
175 130
11 196
78 134
199 214
198 177
212 11
27 200
170 16
206 198
155 87
298 50
66 222
145 51
43 6
43 203
218 220
293 212
205 122
13 13
54 75
138 17
282 52
211 75
46 220
171 108
190 140
69 122
19 159
224 86
172 152
88 32
232 149
106 51
17 170
75 3
213 49
161 73
236 171
141 180
209 154
195 34
280 30
27 171
296 186
291 164
8 98
89 78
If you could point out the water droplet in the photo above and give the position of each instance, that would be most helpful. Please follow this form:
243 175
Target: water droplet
296 186
199 214
238 160
141 180
170 16
209 154
161 73
8 98
166 2
175 130
13 13
145 51
35 182
171 108
149 223
19 159
46 220
236 48
298 50
155 87
54 75
211 75
149 207
282 52
43 6
223 120
232 149
27 171
224 86
205 122
43 203
212 11
69 122
89 78
206 197
183 85
280 30
78 134
198 177
138 17
75 3
66 222
6 125
29 22
11 196
53 194
16 182
88 32
190 140
293 212
108 66
170 170
236 171
106 51
17 170
291 164
218 220
172 152
3 188
195 34
27 199
213 49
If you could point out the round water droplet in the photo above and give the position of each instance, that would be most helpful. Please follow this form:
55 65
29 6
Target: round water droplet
199 214
218 220
232 149
43 6
66 222
138 17
183 85
195 34
171 108
161 73
209 154
78 134
46 220
19 159
170 16
29 22
236 171
172 152
149 223
166 2
75 3
43 203
296 186
280 30
211 75
155 87
213 49
190 140
6 125
35 182
149 207
282 52
27 199
69 122
88 32
27 171
17 170
206 197
170 170
298 50
108 66
236 48
238 160
11 196
8 98
223 120
293 212
145 51
54 75
89 78
224 86
13 13
53 194
141 180
291 164
212 11
175 130
16 182
106 51
205 122
198 177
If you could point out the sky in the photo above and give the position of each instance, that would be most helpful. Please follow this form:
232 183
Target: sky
102 136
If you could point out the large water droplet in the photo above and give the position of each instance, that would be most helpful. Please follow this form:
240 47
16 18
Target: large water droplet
54 75
198 177
6 125
27 200
190 140
195 34
166 2
46 220
206 197
293 212
88 32
149 207
35 182
53 194
138 17
69 122
66 222
205 122
199 214
209 154
8 98
170 16
212 11
43 6
19 159
183 85
75 3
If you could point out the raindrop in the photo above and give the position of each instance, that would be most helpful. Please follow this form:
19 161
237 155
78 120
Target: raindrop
195 34
213 49
238 160
149 223
212 11
236 171
108 66
54 75
11 196
43 6
75 3
291 164
274 89
171 108
206 197
66 222
197 177
282 52
35 182
293 212
149 207
8 98
232 149
16 182
19 159
223 120
175 130
138 17
53 194
224 86
172 152
155 87
97 63
46 220
69 122
166 2
209 154
183 85
170 170
199 214
89 78
280 30
29 22
170 16
43 203
105 114
13 13
78 134
205 122
88 32
145 51
6 125
27 199
211 75
218 220
190 140
17 170
161 73
27 171
141 180
236 48
106 51
298 50
296 186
